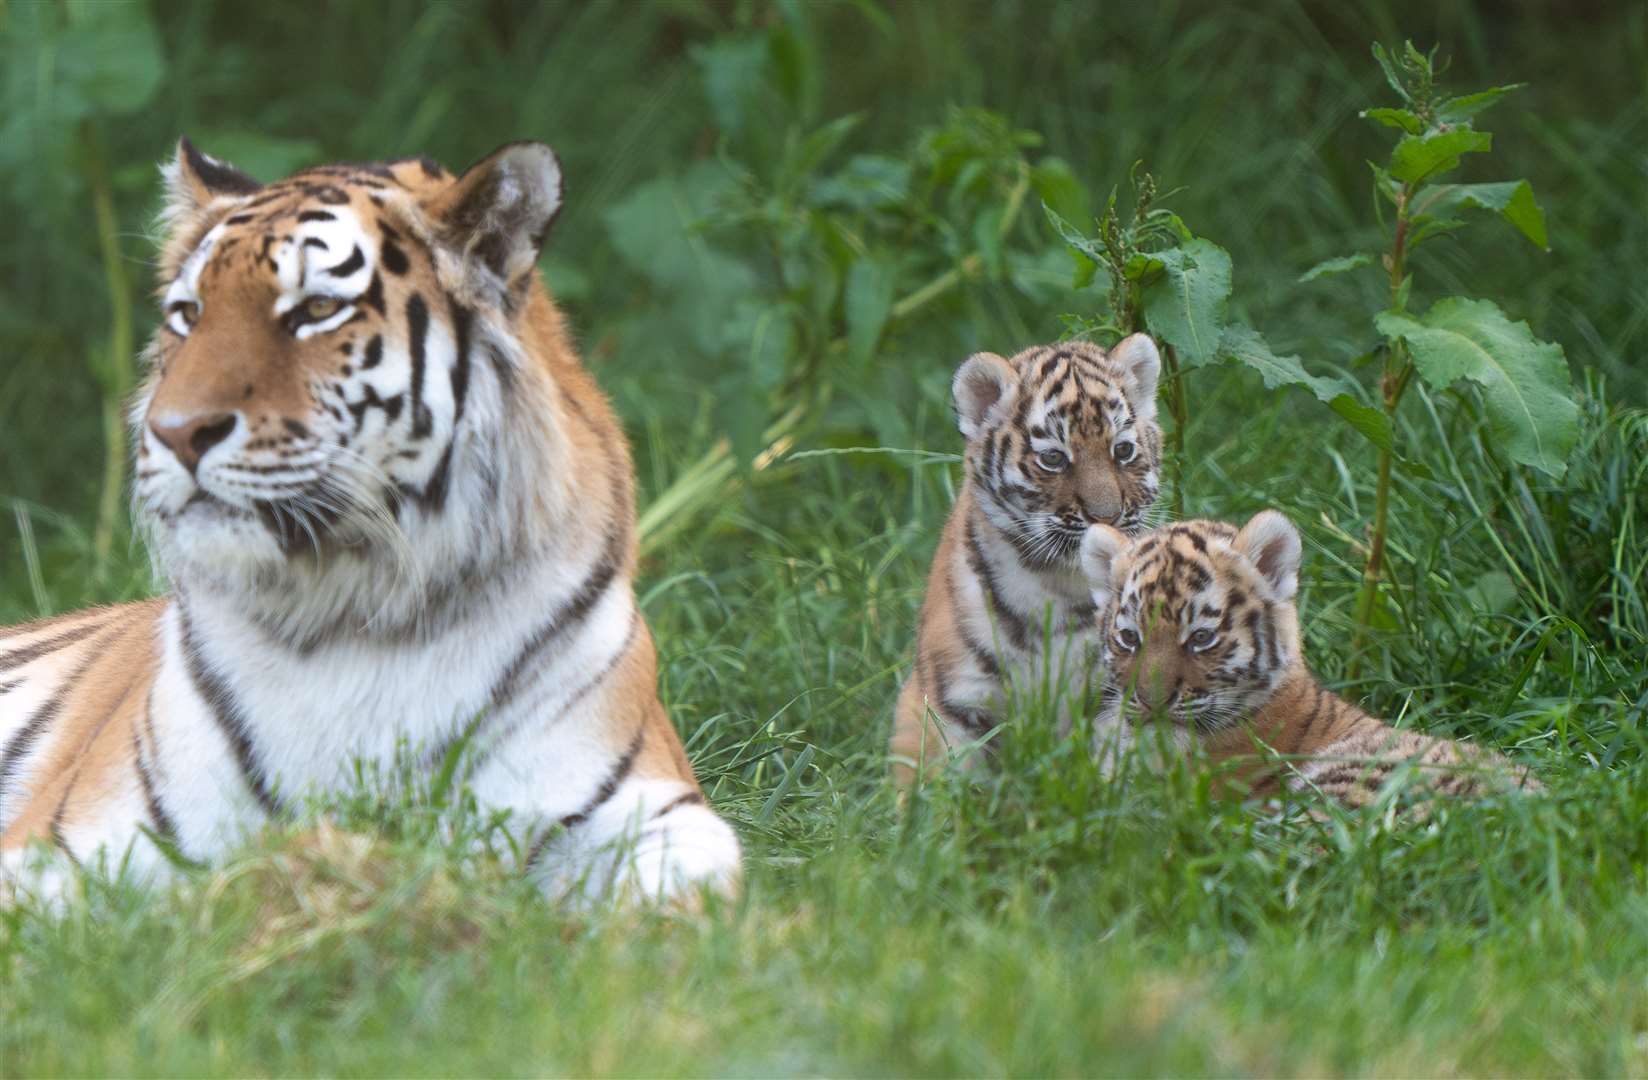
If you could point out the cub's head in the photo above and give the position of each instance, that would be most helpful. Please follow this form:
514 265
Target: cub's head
335 356
1060 437
1198 617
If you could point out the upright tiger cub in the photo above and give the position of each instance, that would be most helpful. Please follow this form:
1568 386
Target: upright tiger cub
1059 437
395 510
1201 641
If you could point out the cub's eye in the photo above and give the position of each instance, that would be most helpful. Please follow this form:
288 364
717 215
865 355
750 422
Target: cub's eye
1202 639
182 315
1124 451
1052 460
319 308
1127 639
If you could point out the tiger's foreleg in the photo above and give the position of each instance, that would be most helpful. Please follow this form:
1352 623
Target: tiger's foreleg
612 808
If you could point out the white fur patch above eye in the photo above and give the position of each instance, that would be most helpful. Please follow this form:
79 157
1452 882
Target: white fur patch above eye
309 330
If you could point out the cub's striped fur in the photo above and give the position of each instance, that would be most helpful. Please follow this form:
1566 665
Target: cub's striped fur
1058 437
395 510
1201 641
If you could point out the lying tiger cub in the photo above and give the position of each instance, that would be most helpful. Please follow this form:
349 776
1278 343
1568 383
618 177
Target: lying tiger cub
394 510
1201 632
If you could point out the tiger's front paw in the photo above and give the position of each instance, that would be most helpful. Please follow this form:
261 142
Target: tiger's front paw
663 845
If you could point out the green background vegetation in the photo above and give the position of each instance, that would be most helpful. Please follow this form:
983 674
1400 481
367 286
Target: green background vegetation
755 279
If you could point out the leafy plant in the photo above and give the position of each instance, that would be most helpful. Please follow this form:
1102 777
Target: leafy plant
793 264
1524 382
1166 280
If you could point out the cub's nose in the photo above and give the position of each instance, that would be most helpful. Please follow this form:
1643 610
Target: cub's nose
190 437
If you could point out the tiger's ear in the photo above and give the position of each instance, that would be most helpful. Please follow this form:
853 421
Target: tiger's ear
499 211
1100 548
1141 366
983 383
194 179
1271 544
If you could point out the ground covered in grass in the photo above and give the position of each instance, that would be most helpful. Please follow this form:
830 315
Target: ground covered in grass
776 296
1045 921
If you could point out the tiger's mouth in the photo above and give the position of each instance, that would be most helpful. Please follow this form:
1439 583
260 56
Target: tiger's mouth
299 524
1051 546
1204 715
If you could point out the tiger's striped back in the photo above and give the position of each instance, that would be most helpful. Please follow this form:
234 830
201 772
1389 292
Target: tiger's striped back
1202 651
1058 437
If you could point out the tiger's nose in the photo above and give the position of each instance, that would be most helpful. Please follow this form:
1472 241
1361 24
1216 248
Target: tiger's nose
189 438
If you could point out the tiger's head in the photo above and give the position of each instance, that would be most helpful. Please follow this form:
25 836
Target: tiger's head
1060 437
334 367
1198 618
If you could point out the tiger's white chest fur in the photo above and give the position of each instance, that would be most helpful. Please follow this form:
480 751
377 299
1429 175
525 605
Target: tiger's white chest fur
1037 645
312 718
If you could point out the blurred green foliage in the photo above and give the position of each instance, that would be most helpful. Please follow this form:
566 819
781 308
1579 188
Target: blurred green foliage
756 188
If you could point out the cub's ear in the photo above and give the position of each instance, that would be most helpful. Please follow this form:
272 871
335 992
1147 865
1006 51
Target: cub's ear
1101 547
1141 365
194 179
983 383
1271 544
499 211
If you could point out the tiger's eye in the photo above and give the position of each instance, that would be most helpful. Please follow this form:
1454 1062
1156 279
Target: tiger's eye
1127 639
1124 451
1052 460
1201 639
317 308
184 314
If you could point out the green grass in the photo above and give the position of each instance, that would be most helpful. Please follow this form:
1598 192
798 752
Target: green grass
1043 921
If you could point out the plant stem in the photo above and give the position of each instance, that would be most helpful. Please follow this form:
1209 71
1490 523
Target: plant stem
1178 406
1398 372
116 370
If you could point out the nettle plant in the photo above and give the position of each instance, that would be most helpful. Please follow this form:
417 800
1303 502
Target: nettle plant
1176 285
1167 281
1524 382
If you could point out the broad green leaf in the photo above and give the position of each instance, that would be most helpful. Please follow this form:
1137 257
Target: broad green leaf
1246 346
1069 234
1044 276
1384 186
818 146
869 303
657 231
1084 271
110 56
1417 157
1525 381
1459 109
1143 268
1336 266
766 332
1056 184
1423 228
1396 118
734 73
987 240
865 182
1388 66
1185 307
1511 199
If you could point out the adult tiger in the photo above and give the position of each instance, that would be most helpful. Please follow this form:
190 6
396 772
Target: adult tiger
1059 437
395 511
